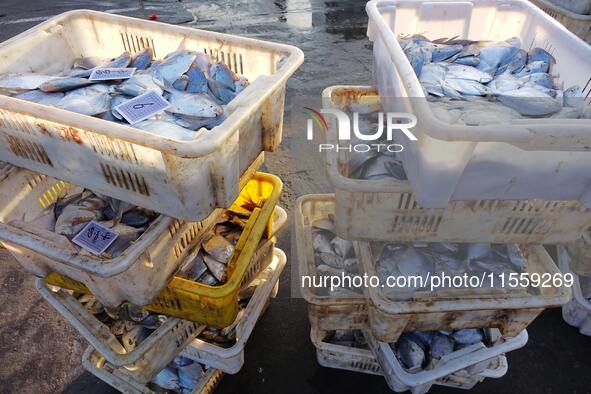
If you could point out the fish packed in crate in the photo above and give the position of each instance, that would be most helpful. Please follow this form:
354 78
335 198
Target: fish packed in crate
334 256
423 259
478 82
194 89
423 350
180 376
70 215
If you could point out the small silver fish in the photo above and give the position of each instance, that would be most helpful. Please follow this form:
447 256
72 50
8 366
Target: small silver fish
219 248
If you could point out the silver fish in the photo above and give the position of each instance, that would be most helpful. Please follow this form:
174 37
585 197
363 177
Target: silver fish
91 100
13 82
39 97
217 268
410 354
168 379
530 101
195 105
441 345
171 69
143 59
64 84
468 336
138 84
219 248
189 375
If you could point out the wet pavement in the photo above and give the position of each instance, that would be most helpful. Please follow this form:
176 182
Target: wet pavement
279 355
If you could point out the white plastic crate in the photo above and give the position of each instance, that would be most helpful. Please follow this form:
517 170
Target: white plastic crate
137 275
579 24
331 355
156 351
94 363
527 159
387 209
509 310
460 369
325 312
183 179
577 312
230 360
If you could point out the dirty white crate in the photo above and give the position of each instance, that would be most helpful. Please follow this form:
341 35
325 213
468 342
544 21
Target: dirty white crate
230 360
387 209
579 24
94 363
137 275
526 159
331 355
577 312
460 369
183 179
510 310
325 312
156 351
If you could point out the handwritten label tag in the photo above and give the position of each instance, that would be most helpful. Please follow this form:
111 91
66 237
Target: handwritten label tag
95 238
142 107
107 73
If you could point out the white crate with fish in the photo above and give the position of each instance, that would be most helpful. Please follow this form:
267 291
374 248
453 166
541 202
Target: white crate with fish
321 253
375 201
43 217
344 349
181 376
501 112
574 15
420 286
165 117
577 312
458 359
218 349
145 338
170 376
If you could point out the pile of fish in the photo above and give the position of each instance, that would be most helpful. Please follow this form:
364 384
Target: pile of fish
478 82
130 324
374 164
453 259
418 351
196 87
180 376
210 265
334 256
70 214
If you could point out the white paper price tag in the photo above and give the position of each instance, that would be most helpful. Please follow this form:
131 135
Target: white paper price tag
95 238
142 107
107 73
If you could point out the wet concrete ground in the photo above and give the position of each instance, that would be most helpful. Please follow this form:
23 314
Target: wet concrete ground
40 353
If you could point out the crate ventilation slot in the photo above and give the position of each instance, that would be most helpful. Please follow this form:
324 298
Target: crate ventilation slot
232 60
134 43
28 150
420 224
116 149
125 179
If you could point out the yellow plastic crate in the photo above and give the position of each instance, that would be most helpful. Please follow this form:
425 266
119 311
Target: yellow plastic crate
215 306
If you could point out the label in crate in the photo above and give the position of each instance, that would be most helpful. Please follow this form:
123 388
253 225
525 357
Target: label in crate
142 107
108 73
95 237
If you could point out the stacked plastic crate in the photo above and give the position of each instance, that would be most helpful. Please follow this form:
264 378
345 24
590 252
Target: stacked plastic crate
151 323
420 212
